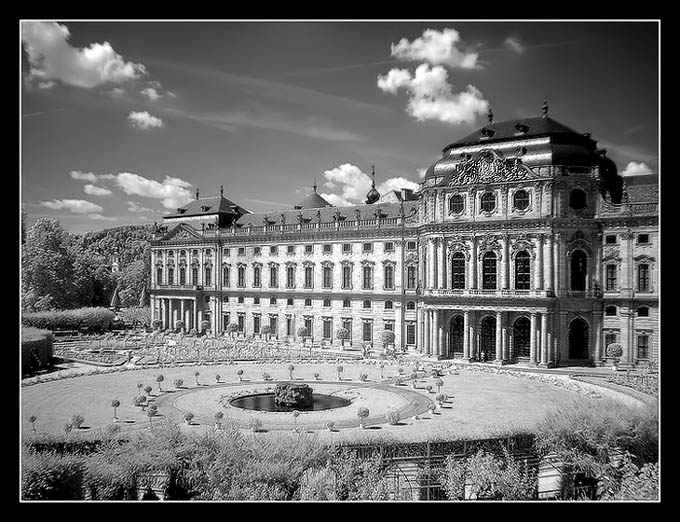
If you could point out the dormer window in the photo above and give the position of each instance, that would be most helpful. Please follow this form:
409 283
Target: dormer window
487 133
205 208
181 210
520 128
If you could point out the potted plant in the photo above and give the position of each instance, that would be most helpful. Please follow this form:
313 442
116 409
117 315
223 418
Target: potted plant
188 417
77 421
429 388
115 404
342 334
33 418
157 324
362 413
439 383
339 369
178 383
316 376
266 330
290 371
217 377
159 380
204 326
239 372
179 326
218 419
388 338
615 351
441 399
196 374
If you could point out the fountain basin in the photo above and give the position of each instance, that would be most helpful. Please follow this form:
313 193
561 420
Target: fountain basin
267 402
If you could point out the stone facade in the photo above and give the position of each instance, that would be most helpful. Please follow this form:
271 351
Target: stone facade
504 256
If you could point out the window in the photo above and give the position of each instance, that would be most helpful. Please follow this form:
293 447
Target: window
257 251
290 277
610 239
241 322
273 276
273 324
367 303
410 277
194 275
367 280
242 251
225 299
225 252
347 325
346 277
327 327
309 277
489 271
389 247
241 299
290 249
346 303
182 276
488 201
521 200
327 249
643 311
208 276
308 301
389 305
272 300
346 248
610 310
643 278
225 321
458 271
389 277
257 279
577 199
226 276
273 250
367 331
367 247
171 276
411 245
643 239
643 347
610 278
389 325
256 300
159 276
309 249
456 204
410 334
609 338
241 283
289 325
411 305
327 276
256 324
289 301
309 325
327 303
522 271
579 270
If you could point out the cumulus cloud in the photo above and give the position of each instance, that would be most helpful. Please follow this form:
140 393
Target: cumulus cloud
144 120
172 192
151 93
437 48
99 217
134 206
350 185
513 43
94 190
636 169
77 206
431 97
84 176
51 58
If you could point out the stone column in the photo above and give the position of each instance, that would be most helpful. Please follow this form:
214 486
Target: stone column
163 319
427 331
556 264
436 334
466 335
544 339
436 263
181 312
532 339
473 264
539 263
549 258
499 339
597 332
430 263
505 264
443 272
504 342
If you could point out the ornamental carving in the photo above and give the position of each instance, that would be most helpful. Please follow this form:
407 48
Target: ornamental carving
489 167
521 245
456 246
411 259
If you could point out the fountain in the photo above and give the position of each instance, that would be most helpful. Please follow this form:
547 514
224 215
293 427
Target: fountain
289 396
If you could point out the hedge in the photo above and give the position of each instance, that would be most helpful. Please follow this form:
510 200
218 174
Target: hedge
69 319
36 350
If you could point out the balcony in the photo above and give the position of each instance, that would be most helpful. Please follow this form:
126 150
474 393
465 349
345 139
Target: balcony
473 292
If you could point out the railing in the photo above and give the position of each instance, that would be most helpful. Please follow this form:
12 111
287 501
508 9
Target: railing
470 292
629 208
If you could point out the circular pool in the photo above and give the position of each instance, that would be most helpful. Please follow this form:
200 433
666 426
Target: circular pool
266 402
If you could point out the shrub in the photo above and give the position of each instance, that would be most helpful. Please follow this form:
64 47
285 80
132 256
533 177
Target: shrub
140 401
266 376
77 421
441 398
614 350
363 413
157 324
148 389
330 425
255 425
51 476
301 331
70 319
179 325
232 327
316 376
342 333
218 415
217 377
393 417
188 417
266 329
388 337
36 350
205 325
178 383
136 315
363 377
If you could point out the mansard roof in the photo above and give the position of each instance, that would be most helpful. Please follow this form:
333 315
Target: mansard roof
208 207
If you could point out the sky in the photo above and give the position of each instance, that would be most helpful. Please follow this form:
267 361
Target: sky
121 122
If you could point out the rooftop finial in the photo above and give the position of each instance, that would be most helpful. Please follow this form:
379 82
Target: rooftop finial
373 175
221 190
196 193
545 109
373 195
314 186
490 114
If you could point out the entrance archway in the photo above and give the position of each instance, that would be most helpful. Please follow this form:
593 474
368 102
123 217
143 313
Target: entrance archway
521 337
456 331
488 338
578 339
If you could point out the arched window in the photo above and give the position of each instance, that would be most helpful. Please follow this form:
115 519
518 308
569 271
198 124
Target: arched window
171 276
208 276
257 279
273 276
308 301
290 277
327 302
241 299
456 335
346 303
579 270
367 277
610 310
367 303
411 305
226 276
182 276
577 199
456 204
521 200
643 311
522 270
521 337
389 305
309 277
458 271
327 276
289 301
159 276
346 277
488 201
489 274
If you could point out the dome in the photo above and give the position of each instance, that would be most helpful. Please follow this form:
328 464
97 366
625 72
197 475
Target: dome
313 200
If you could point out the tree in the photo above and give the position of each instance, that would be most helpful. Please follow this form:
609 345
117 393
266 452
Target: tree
439 384
290 371
115 404
159 380
32 420
363 415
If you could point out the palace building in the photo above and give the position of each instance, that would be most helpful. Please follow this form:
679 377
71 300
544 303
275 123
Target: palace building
523 244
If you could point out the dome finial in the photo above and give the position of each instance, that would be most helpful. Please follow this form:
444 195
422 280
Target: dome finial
196 193
545 109
221 190
373 175
314 186
490 114
373 195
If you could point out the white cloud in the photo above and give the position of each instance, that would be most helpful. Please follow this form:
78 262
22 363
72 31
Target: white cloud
172 192
431 97
77 206
99 217
115 92
397 184
437 48
636 169
151 93
134 206
144 120
93 190
513 43
337 201
84 176
51 57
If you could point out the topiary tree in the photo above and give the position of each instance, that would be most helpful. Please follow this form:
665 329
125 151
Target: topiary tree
363 415
159 380
232 328
217 377
239 372
178 383
77 421
339 369
388 337
439 383
68 427
204 326
342 334
615 351
141 401
157 324
316 376
266 330
148 389
290 371
266 376
382 370
179 326
188 417
441 399
196 374
32 420
115 403
218 416
363 377
330 425
393 417
302 332
150 413
255 425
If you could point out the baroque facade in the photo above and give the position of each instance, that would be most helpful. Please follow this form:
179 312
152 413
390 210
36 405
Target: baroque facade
523 244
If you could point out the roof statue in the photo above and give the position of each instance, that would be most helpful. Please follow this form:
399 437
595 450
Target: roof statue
545 109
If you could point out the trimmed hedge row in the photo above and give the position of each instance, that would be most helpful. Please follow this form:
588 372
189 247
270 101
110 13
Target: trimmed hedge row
69 319
36 350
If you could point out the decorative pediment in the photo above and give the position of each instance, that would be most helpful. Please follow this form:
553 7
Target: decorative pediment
489 167
612 257
456 246
367 262
182 232
388 262
520 245
643 258
411 258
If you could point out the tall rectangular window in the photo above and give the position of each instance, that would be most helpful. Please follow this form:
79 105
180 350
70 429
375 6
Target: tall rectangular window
309 325
327 277
411 277
273 276
346 277
410 334
609 338
643 347
194 275
309 277
159 276
290 277
256 324
347 325
367 331
289 325
458 271
389 277
226 276
182 276
273 324
643 278
367 280
171 276
241 283
241 322
522 271
208 276
610 278
327 328
257 279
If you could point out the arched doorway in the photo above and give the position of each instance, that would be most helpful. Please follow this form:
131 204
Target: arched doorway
456 331
579 270
578 339
488 338
521 337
